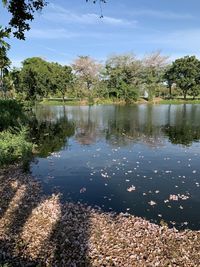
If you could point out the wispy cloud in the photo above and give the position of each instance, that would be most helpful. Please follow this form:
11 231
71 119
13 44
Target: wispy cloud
55 51
161 14
63 34
52 34
59 14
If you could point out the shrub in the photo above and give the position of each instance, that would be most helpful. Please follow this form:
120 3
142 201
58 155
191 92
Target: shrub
11 114
14 147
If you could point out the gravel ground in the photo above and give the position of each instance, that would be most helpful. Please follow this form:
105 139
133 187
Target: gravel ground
37 230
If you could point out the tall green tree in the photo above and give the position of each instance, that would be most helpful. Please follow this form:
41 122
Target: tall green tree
169 78
35 78
185 73
4 66
62 78
123 76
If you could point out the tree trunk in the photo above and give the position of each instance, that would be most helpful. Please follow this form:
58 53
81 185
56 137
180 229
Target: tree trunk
1 80
63 98
185 95
170 91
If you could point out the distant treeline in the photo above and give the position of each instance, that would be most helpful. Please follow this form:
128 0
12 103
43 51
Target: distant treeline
121 77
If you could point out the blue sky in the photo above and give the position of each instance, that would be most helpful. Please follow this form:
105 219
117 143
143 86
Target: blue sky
66 29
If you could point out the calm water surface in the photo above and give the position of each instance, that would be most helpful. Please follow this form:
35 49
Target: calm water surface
143 159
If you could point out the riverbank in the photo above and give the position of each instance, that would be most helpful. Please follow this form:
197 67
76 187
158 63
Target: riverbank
37 230
85 102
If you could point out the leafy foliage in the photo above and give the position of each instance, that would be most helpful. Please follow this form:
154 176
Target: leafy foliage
184 72
11 114
39 78
122 78
14 147
62 78
22 12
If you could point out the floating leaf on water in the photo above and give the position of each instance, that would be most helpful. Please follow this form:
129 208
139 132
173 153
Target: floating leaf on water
130 189
152 203
82 190
173 197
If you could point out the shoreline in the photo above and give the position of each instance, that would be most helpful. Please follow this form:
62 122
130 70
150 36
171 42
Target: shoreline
155 101
38 230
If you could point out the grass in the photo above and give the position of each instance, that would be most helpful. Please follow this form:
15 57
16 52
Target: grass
98 101
59 102
109 101
179 101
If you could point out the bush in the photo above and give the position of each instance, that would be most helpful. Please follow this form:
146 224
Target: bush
14 147
11 114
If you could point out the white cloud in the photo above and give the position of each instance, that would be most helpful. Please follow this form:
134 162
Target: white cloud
60 33
57 13
52 34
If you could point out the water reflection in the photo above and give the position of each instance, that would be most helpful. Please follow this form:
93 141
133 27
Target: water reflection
142 159
119 125
50 133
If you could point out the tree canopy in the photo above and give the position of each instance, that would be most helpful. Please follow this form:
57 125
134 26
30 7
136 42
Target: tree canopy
22 13
184 72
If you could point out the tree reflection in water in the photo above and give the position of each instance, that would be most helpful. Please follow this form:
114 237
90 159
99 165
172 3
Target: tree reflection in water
118 125
51 135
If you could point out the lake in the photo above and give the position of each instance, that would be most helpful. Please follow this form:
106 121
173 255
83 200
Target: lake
137 159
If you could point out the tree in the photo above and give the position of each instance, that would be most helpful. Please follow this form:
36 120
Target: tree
169 77
62 78
4 65
123 76
35 78
195 90
87 69
185 74
4 60
154 65
39 78
22 12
